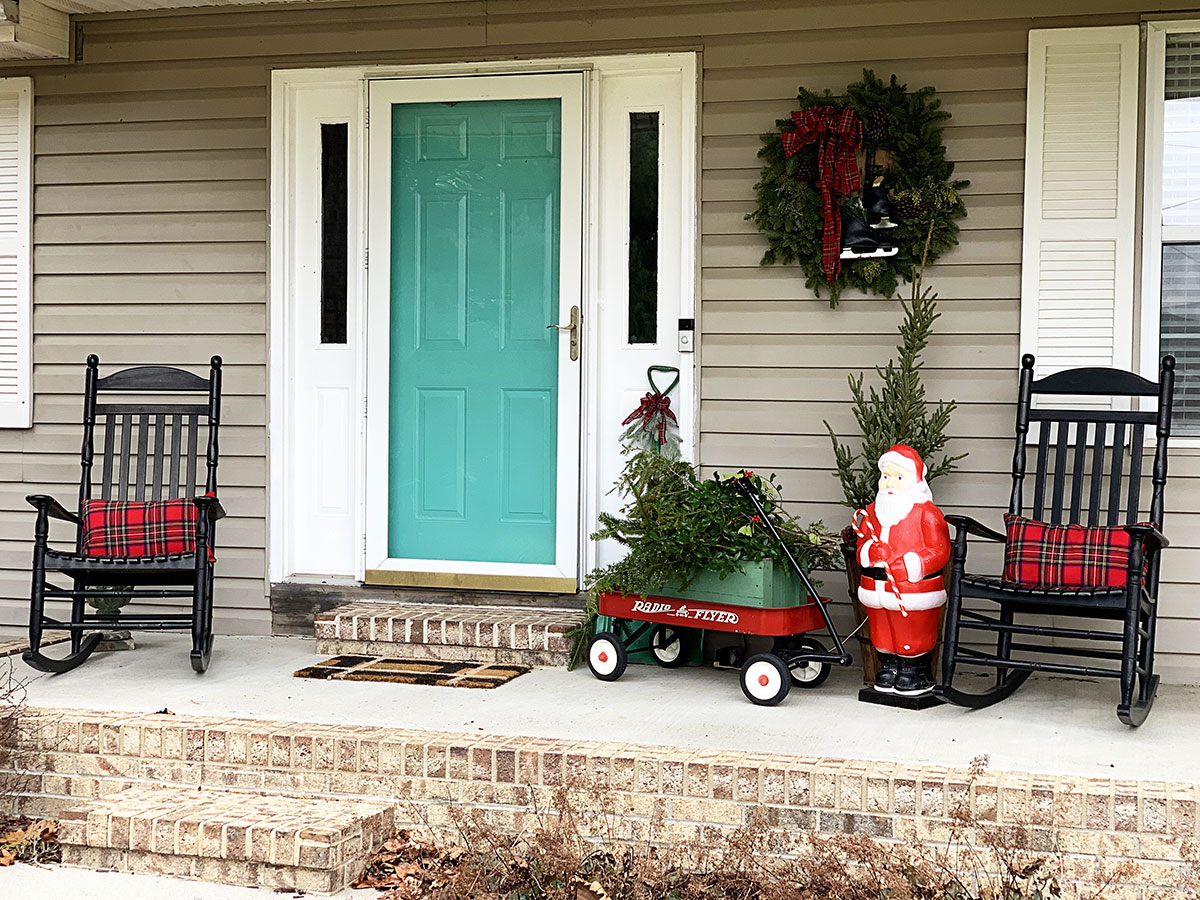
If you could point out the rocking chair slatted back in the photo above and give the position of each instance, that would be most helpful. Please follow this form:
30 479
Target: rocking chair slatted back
145 472
1067 486
150 450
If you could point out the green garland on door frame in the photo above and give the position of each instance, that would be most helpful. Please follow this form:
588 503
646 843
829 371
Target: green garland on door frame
925 197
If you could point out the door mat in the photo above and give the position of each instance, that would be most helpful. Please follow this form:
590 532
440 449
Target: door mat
14 646
412 671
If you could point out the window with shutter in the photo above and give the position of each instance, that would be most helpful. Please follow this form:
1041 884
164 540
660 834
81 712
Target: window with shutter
1171 252
1077 272
16 178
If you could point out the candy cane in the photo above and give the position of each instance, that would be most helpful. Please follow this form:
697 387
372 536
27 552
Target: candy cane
860 519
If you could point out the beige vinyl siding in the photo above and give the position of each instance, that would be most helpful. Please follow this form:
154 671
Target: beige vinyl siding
150 247
151 230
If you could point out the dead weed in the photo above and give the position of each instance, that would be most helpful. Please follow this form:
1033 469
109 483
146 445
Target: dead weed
583 844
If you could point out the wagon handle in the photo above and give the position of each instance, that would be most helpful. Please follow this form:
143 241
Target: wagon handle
741 482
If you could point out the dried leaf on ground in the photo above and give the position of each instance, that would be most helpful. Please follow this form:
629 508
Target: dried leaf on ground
590 890
407 868
28 839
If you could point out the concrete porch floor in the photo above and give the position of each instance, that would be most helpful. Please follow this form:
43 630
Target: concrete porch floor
1052 725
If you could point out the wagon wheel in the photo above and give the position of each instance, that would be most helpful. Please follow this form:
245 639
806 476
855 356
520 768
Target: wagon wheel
606 656
765 679
669 646
808 675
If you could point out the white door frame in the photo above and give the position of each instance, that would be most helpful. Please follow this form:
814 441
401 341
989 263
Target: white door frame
382 94
286 474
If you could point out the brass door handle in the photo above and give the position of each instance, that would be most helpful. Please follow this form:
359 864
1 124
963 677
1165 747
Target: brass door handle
573 328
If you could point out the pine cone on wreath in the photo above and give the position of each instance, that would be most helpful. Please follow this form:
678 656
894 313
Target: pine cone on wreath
875 128
806 169
906 207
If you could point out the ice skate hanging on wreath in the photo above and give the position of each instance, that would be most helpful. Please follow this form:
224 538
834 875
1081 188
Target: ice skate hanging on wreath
653 426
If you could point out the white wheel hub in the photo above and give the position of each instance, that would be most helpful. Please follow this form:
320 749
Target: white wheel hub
603 657
805 672
762 680
669 652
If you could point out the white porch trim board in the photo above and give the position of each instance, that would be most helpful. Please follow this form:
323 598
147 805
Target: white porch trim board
16 252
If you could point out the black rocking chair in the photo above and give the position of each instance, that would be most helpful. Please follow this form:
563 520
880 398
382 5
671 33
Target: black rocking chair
150 452
1074 458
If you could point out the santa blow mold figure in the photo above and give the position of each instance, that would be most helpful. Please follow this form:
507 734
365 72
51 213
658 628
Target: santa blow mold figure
903 545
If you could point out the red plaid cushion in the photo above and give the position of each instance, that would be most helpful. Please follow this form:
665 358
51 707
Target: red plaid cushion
138 527
1042 555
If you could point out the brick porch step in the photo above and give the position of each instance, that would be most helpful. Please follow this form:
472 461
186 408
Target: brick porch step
486 634
313 845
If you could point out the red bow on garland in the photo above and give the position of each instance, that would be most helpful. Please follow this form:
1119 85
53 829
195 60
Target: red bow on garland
837 135
656 408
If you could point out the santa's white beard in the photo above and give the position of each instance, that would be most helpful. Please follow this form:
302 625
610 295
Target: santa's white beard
894 507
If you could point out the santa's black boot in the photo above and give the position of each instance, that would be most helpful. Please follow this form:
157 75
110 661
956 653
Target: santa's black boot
885 679
916 675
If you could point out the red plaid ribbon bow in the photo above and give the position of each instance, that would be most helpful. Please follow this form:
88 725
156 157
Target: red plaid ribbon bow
656 408
837 135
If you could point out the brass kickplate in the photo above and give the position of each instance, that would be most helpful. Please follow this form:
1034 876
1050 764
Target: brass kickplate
458 581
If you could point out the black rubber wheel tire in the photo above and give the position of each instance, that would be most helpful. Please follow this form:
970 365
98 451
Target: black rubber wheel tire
606 656
815 673
666 638
765 679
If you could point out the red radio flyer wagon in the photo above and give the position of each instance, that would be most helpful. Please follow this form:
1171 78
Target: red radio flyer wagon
796 658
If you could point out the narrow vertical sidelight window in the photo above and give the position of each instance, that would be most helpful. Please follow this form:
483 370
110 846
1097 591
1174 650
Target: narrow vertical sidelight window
334 236
643 228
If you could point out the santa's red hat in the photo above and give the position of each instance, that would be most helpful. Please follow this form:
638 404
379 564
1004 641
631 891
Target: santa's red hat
906 458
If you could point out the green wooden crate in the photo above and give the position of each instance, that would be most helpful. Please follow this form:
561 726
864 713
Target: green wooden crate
764 585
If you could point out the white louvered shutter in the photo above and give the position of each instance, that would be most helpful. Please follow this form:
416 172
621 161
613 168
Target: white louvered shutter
1077 270
16 281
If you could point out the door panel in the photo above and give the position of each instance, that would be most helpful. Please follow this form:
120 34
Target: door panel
474 380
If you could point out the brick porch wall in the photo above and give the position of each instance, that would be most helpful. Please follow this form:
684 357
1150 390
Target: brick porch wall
1094 822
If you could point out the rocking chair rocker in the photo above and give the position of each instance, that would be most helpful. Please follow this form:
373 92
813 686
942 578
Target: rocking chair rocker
150 450
1133 602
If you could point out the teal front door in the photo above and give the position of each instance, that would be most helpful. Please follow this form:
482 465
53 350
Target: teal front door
474 372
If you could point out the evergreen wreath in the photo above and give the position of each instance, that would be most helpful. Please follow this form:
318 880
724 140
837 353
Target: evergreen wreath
908 126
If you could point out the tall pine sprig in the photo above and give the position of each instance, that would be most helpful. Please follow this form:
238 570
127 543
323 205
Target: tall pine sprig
897 411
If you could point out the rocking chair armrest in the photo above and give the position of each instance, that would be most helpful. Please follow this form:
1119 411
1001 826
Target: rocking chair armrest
52 508
210 506
1148 534
975 527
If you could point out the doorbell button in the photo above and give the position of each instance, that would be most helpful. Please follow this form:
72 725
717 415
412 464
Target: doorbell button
687 335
